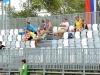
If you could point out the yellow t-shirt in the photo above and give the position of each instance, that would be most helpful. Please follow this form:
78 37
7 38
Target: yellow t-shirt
78 24
32 34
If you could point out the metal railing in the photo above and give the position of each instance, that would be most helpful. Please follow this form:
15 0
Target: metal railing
11 22
66 60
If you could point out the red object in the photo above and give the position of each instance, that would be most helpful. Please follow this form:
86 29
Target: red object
87 6
87 12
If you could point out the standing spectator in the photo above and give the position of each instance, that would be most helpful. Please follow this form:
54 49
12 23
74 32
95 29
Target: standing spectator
1 46
24 68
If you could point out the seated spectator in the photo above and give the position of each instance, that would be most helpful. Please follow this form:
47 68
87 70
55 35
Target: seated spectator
30 27
78 23
84 25
48 26
63 28
29 35
1 46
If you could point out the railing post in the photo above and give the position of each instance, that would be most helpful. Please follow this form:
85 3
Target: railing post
62 61
43 61
83 55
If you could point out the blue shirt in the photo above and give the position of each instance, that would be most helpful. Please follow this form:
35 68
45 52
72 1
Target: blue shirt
31 28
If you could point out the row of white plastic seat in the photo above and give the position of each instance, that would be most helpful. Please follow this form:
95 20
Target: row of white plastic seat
10 37
77 35
11 31
94 27
84 43
18 44
83 34
55 29
61 43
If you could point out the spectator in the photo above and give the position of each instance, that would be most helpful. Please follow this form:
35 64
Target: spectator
1 46
30 27
78 23
48 26
24 68
63 28
29 35
84 25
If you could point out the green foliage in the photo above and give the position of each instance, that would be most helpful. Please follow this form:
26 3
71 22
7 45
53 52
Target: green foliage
74 6
52 6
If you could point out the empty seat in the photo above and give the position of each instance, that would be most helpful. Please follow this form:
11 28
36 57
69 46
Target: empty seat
2 32
7 32
89 34
65 35
8 44
5 38
83 33
19 37
1 38
12 44
22 44
77 35
11 31
65 42
32 44
10 38
15 31
14 38
90 43
95 27
55 29
71 43
84 43
77 43
60 43
3 43
18 44
89 26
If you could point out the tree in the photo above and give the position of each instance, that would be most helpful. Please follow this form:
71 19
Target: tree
52 6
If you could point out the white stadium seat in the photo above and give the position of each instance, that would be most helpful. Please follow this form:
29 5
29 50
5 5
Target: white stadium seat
65 35
10 38
60 43
11 31
2 32
55 29
19 38
15 31
95 27
17 44
32 44
89 34
1 38
77 35
65 42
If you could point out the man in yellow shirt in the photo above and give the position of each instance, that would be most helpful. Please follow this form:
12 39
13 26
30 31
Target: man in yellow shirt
78 24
